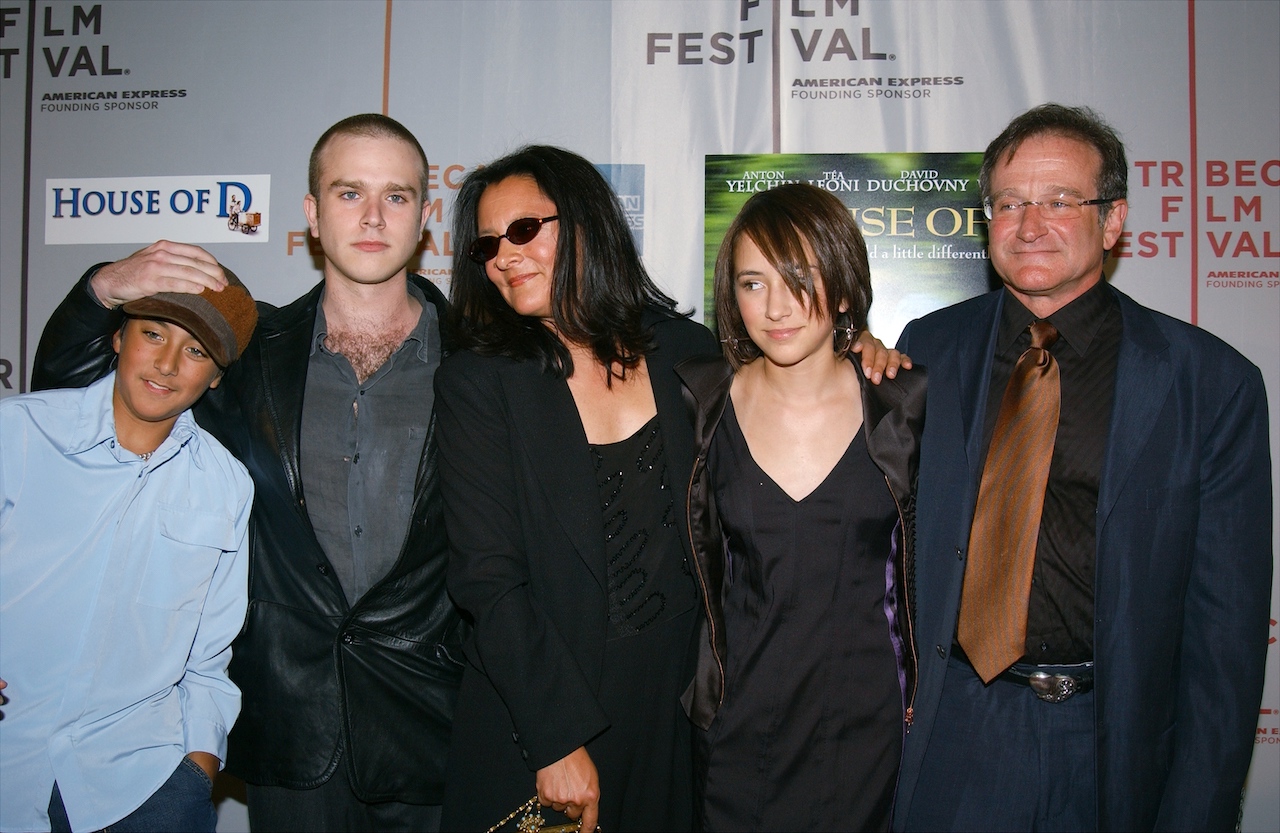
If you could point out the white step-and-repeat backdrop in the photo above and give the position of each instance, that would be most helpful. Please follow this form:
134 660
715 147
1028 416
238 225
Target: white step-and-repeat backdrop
125 121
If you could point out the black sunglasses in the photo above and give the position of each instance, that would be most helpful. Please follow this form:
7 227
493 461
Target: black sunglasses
519 232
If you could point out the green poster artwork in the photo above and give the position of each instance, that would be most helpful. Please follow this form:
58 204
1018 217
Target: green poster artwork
920 213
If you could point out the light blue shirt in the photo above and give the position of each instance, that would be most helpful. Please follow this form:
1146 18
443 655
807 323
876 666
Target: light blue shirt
122 584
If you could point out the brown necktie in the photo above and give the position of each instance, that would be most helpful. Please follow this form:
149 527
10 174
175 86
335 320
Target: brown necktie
1006 520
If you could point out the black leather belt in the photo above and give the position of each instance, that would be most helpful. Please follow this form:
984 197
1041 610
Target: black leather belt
1051 683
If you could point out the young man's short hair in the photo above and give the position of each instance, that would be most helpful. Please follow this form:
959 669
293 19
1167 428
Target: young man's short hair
372 126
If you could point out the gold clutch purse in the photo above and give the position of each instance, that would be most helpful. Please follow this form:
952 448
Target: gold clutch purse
531 821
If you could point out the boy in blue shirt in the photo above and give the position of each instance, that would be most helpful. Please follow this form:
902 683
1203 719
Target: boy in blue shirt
123 571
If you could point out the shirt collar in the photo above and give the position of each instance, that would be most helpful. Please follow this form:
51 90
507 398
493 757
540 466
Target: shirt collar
427 320
320 329
182 434
420 332
1077 323
98 426
97 421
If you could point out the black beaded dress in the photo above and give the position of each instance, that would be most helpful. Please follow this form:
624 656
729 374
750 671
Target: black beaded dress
809 736
644 759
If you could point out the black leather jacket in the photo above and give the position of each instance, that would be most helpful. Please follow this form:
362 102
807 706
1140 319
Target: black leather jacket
893 413
323 681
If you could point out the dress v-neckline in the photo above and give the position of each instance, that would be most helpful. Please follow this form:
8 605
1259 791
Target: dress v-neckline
732 413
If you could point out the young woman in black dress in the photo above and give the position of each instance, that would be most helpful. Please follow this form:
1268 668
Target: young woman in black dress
801 508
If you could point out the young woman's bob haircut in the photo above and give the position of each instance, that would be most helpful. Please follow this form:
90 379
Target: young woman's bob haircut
790 224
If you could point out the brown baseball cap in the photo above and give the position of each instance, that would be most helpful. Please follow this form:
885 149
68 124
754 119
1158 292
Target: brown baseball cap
222 321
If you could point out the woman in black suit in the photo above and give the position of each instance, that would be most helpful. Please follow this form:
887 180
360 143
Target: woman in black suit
563 443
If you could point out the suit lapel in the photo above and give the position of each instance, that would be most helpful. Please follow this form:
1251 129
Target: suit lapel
677 433
551 433
285 356
1143 379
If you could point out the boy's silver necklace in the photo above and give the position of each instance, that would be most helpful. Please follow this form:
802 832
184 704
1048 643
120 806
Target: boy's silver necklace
146 455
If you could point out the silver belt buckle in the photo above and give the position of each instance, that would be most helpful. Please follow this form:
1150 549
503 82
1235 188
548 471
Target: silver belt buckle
1052 688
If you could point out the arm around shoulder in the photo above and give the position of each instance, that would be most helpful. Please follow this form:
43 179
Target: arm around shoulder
75 347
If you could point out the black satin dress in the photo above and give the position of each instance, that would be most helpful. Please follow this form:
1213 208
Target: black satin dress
809 736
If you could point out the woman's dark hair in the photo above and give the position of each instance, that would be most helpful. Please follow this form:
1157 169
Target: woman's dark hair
781 221
599 287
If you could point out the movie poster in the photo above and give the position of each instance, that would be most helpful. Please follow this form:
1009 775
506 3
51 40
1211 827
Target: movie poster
920 213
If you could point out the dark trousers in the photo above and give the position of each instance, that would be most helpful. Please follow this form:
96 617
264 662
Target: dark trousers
333 806
182 803
999 758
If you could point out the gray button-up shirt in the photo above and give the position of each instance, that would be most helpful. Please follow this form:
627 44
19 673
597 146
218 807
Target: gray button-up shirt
361 448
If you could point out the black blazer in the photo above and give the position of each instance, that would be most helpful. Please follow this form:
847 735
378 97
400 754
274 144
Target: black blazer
527 558
322 681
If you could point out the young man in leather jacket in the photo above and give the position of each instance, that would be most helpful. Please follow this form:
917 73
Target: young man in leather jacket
348 660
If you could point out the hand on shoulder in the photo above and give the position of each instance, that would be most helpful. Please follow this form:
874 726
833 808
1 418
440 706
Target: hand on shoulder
878 360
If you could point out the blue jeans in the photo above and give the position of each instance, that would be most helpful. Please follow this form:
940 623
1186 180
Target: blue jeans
183 803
